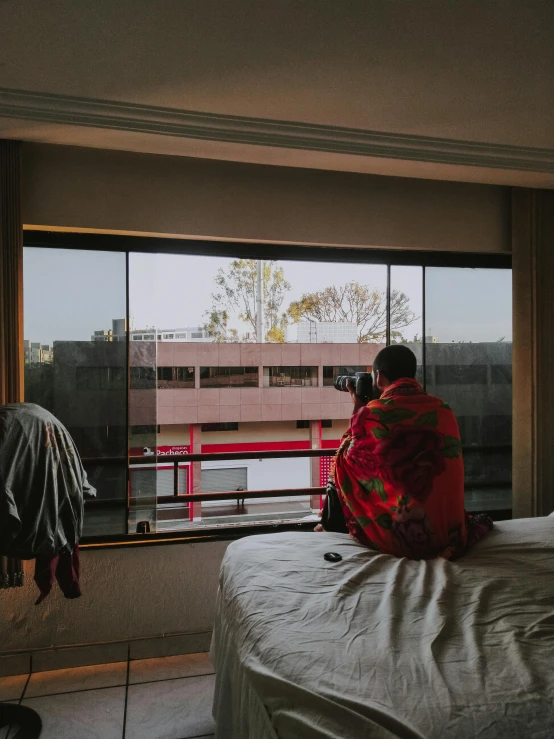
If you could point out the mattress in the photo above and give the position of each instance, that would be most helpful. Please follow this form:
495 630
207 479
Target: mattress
375 646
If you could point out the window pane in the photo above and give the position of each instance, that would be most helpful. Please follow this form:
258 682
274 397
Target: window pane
75 364
175 377
183 376
165 374
469 364
407 311
201 315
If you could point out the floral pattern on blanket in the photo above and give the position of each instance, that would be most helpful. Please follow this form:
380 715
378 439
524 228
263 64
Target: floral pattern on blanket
399 473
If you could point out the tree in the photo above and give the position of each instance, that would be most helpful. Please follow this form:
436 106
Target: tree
236 294
362 305
217 326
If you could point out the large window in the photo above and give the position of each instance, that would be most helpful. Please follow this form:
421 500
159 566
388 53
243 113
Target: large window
231 357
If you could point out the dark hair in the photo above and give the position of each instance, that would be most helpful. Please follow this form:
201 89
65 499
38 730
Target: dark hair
396 361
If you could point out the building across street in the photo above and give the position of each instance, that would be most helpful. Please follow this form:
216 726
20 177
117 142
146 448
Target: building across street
196 395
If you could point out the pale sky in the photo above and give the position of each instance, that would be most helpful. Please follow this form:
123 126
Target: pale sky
69 294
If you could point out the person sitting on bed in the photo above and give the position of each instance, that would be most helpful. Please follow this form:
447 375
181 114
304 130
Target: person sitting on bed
397 480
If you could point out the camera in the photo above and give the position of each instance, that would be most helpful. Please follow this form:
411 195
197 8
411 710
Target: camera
360 382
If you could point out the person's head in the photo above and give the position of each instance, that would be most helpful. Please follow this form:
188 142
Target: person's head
392 363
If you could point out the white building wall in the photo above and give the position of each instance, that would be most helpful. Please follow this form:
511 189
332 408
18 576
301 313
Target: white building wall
269 474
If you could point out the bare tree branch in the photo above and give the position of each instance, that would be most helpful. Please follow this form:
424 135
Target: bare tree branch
362 305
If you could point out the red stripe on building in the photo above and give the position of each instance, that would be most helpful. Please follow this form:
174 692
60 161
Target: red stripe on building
256 446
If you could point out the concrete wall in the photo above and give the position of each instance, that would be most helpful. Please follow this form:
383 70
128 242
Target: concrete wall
129 595
77 188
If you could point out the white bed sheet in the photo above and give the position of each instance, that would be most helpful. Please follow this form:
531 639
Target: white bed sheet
375 646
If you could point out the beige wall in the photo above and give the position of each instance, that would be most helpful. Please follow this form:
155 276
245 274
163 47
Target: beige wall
256 432
78 188
338 428
177 434
128 594
174 435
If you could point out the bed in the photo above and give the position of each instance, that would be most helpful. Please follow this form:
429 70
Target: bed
374 646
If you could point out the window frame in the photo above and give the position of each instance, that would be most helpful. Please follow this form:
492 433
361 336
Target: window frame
127 244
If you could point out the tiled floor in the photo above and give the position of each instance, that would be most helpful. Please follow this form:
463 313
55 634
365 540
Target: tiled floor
165 698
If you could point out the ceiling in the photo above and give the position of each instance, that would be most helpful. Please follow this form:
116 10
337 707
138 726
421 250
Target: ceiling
433 88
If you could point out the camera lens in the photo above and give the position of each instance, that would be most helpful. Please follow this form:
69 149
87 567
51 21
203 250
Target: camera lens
341 383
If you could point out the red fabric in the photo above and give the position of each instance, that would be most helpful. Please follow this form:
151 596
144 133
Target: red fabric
64 568
400 476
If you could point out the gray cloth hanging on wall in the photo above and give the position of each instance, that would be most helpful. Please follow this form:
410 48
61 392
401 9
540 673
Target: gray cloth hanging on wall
42 483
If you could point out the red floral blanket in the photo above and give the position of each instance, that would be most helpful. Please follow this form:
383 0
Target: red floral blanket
400 477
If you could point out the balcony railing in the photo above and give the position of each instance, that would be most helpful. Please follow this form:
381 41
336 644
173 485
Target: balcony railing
177 459
236 528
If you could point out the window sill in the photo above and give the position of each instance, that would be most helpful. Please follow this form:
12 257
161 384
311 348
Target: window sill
222 533
219 533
